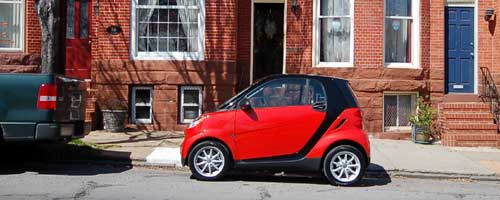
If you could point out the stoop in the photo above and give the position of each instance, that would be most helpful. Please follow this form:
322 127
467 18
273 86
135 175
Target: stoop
468 124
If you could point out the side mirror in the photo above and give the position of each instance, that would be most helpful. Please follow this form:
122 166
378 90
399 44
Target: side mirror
245 104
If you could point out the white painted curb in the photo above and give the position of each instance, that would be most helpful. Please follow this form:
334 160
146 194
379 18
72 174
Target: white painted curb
165 155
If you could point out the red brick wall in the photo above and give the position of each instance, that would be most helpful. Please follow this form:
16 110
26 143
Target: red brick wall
368 77
113 72
244 37
227 54
33 33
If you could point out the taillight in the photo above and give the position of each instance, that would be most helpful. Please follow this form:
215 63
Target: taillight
47 97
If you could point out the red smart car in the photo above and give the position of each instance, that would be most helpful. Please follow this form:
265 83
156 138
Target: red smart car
282 122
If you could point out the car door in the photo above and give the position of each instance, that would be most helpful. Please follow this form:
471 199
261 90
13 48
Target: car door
281 119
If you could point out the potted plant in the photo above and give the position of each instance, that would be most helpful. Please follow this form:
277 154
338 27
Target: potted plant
422 121
114 112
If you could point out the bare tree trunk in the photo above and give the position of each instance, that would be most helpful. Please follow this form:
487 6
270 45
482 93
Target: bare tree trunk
49 16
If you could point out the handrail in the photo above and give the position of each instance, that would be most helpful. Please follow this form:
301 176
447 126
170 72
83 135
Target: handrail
490 94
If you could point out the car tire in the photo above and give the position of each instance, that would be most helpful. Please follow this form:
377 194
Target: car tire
209 161
344 165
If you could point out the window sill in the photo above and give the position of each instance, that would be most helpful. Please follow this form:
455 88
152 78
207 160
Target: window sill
335 65
401 65
397 129
142 121
168 56
7 50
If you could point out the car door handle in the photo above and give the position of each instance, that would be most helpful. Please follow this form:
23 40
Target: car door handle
319 106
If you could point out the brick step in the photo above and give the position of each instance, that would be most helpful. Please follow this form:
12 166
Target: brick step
465 121
470 126
468 115
468 140
465 107
471 132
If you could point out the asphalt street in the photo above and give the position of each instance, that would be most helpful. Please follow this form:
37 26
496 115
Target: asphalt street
85 181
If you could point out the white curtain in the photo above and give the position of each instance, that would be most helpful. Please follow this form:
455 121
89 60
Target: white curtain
335 32
146 17
190 29
398 31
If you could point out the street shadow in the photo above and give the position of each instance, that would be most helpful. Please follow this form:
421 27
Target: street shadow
60 159
370 179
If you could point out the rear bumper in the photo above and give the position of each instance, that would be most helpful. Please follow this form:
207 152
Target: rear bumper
60 131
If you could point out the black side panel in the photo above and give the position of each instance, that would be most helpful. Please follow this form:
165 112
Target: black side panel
291 165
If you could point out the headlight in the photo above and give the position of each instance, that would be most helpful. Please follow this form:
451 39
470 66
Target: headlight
197 121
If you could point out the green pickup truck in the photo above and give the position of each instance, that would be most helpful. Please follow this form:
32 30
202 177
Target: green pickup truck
41 107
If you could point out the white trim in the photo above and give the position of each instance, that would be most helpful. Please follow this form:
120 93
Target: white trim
133 105
200 55
252 35
476 49
22 27
182 104
415 37
316 37
414 99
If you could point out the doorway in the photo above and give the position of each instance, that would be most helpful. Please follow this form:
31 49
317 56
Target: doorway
78 20
459 52
268 39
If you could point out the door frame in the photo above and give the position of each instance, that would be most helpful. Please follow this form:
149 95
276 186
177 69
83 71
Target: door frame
476 43
284 2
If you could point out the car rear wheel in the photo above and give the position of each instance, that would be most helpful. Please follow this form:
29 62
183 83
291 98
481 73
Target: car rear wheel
344 165
209 161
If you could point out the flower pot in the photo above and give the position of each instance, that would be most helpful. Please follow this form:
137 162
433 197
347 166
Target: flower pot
420 134
114 120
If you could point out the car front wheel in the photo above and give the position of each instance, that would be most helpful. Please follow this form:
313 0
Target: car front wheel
344 165
209 161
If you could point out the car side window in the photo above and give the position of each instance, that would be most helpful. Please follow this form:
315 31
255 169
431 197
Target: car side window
316 92
287 92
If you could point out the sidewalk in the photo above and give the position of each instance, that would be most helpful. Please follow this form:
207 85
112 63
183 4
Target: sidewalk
395 157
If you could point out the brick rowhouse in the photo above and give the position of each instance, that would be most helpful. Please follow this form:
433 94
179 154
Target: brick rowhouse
226 66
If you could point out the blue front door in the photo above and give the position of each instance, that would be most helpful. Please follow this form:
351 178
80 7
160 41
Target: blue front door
459 53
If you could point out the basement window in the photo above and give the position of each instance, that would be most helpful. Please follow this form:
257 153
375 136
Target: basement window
397 110
142 109
190 103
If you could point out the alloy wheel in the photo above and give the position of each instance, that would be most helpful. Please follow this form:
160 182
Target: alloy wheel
345 166
209 161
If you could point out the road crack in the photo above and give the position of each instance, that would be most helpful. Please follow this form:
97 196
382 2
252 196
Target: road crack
263 193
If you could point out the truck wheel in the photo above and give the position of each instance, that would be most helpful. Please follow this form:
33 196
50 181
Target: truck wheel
344 165
209 161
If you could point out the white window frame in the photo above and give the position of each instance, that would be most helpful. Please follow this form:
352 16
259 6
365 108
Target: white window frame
316 37
415 37
135 104
414 97
21 26
135 55
181 102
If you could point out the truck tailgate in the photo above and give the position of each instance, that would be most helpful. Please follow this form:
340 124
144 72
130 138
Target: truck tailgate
71 96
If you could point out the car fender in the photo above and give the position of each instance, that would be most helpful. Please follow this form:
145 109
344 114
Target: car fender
349 135
205 135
